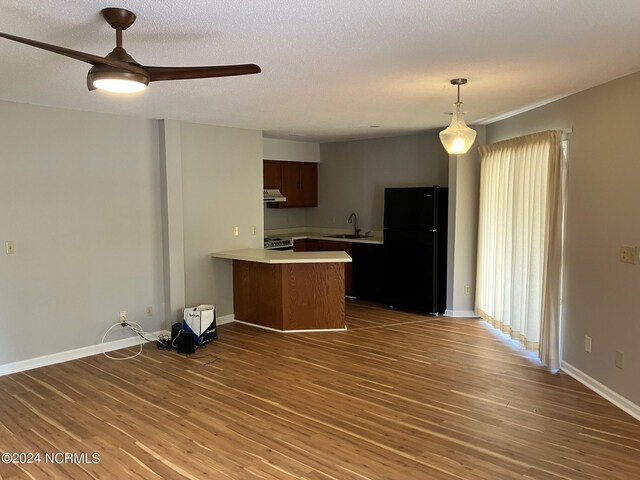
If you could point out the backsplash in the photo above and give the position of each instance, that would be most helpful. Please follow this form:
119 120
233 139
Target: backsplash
276 218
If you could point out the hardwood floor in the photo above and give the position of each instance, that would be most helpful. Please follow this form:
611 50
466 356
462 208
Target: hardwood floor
398 396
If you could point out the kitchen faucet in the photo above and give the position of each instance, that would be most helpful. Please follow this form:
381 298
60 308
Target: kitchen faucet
353 218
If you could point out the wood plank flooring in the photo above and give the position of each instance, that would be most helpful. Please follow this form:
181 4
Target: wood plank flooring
398 396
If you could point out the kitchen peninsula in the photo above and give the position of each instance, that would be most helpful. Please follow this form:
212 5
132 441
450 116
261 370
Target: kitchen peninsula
288 291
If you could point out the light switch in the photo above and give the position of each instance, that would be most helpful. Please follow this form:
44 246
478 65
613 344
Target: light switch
235 231
10 247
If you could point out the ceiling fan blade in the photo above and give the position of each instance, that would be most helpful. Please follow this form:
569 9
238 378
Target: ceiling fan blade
157 74
82 56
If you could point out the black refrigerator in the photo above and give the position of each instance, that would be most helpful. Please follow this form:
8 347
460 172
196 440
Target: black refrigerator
415 241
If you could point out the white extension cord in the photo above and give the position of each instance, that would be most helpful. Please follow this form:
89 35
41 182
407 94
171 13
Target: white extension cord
135 328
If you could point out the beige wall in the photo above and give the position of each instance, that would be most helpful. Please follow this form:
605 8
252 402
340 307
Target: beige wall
112 213
290 150
79 197
602 297
464 191
222 188
353 175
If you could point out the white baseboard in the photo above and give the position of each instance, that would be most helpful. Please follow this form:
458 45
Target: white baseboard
602 390
74 354
225 319
82 352
460 313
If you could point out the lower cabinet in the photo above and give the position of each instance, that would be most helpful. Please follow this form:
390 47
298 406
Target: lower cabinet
365 276
317 245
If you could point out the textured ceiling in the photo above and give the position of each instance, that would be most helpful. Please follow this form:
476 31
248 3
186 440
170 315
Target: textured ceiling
331 69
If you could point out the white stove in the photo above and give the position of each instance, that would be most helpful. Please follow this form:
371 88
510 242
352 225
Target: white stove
277 243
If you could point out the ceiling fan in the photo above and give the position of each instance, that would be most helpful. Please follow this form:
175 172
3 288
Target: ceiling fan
119 72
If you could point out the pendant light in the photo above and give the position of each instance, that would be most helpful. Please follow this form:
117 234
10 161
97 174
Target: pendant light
457 138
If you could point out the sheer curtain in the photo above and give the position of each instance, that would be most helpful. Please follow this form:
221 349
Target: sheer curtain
520 240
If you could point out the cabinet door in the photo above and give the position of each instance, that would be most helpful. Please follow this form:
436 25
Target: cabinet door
301 245
298 182
308 192
333 246
271 174
290 183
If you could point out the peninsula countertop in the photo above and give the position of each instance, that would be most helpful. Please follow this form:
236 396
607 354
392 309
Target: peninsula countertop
260 255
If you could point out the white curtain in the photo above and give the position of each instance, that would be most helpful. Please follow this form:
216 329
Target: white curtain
520 240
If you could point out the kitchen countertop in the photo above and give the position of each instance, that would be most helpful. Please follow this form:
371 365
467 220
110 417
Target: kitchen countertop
260 255
375 239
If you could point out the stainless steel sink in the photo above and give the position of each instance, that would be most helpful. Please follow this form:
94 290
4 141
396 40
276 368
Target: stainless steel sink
348 235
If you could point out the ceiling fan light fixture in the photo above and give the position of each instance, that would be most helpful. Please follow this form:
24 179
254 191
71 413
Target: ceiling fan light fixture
118 85
118 72
115 81
457 138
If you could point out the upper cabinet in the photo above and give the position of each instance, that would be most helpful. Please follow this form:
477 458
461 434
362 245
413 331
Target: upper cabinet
271 174
298 182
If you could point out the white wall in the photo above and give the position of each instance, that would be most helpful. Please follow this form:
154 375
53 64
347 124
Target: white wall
602 298
79 197
464 191
353 175
172 220
222 188
288 150
87 197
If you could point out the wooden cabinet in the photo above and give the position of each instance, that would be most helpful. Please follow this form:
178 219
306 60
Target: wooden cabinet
308 186
271 174
298 182
307 245
317 245
289 296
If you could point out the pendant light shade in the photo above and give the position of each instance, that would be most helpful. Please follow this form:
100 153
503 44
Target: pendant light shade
457 138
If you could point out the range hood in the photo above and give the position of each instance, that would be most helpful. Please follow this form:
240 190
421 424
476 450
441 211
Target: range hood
273 195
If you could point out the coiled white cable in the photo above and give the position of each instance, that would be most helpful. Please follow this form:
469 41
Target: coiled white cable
140 334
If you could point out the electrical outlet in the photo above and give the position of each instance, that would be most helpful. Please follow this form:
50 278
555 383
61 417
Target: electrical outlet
236 231
123 316
628 254
467 290
587 343
619 359
149 311
10 247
